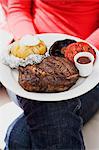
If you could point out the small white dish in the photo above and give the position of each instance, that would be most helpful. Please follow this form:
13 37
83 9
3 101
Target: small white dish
84 69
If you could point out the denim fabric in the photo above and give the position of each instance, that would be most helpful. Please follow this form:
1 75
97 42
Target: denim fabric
89 104
20 133
53 126
13 126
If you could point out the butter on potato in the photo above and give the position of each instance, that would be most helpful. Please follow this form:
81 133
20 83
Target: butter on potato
25 51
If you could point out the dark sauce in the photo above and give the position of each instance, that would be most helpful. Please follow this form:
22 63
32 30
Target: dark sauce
83 60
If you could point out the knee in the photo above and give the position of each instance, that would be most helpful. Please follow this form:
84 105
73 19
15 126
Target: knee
17 135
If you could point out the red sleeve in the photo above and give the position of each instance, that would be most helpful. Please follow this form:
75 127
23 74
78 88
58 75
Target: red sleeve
94 38
19 18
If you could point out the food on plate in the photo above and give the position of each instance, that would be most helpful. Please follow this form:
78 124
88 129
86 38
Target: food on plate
84 62
53 74
28 50
28 45
72 49
49 70
57 49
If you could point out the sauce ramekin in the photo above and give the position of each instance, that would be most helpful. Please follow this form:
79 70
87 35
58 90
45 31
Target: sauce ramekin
84 69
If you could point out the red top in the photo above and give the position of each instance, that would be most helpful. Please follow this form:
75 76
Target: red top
75 17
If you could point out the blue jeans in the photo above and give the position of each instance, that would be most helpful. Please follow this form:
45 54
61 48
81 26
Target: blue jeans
52 125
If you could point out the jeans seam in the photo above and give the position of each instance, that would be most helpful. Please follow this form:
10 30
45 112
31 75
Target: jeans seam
78 106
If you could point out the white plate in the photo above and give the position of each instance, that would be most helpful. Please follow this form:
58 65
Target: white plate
9 77
5 38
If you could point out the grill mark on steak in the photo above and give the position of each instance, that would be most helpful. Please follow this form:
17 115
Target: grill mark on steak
67 71
49 67
64 68
71 70
53 74
56 65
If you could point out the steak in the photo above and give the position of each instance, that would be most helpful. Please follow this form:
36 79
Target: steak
53 74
